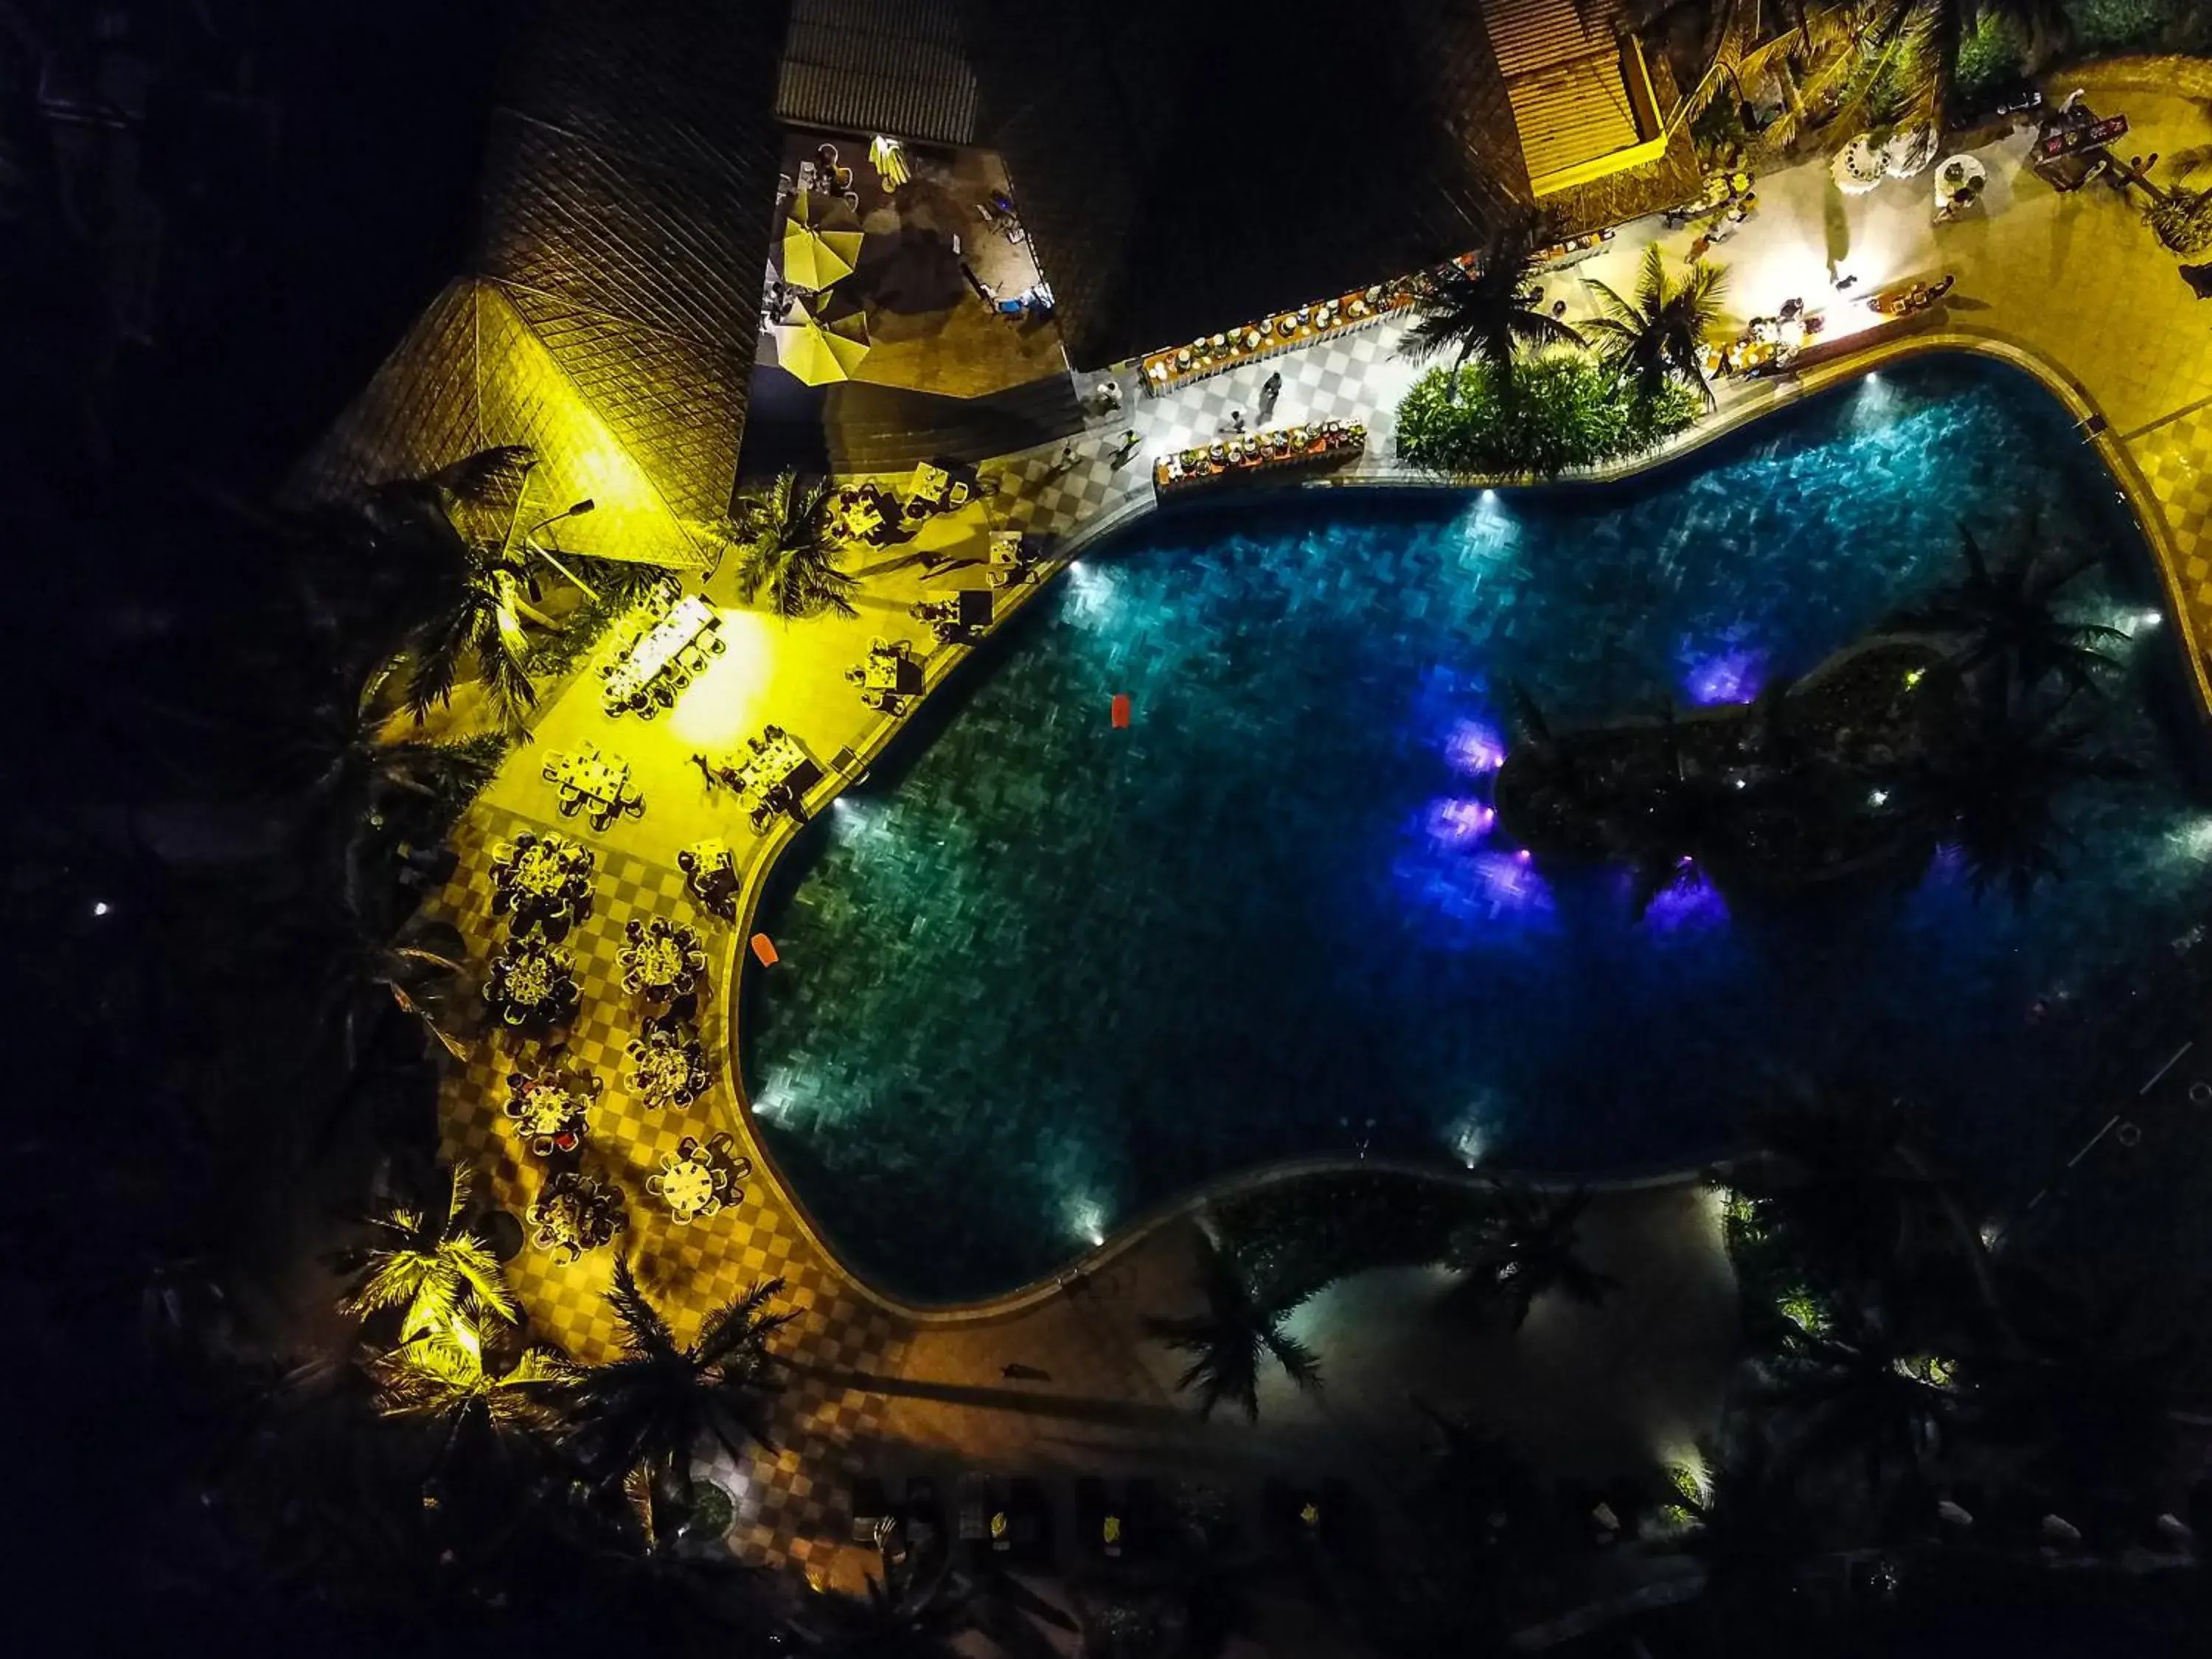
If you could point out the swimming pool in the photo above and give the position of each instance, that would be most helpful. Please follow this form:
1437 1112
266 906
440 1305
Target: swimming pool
1039 974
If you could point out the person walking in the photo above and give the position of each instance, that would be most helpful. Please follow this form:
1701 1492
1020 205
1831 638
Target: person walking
1129 442
1270 389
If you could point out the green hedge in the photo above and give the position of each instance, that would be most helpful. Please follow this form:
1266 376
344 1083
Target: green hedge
1992 58
2105 25
1564 409
1295 1237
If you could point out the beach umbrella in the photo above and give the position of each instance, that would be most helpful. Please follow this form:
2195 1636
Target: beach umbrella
821 241
889 157
818 351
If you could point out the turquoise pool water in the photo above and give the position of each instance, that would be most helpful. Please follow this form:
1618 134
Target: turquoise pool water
1039 974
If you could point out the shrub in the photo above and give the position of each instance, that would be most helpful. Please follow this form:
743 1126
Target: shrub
1563 409
1992 59
1296 1236
2101 25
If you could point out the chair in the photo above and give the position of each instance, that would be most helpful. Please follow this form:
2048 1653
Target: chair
854 676
716 644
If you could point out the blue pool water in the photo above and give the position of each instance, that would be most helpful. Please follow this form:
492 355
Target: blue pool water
1039 974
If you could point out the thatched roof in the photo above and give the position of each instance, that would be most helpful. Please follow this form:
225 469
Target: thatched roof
611 309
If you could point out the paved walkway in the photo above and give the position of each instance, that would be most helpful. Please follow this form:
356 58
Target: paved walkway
2078 282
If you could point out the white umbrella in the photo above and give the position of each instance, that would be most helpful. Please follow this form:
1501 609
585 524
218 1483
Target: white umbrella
1857 167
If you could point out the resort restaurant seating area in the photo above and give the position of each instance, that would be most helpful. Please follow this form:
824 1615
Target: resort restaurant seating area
662 658
1216 353
776 775
1248 342
891 674
1247 454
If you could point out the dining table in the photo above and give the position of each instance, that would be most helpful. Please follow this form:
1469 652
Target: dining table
574 1213
690 621
586 777
775 764
710 871
901 675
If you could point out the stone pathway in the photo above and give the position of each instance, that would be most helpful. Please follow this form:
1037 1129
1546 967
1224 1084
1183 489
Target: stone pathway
2078 281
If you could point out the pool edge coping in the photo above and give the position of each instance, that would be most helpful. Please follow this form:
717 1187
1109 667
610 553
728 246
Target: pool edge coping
1950 336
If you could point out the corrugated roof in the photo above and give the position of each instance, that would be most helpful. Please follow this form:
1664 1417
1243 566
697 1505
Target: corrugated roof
1562 62
894 66
612 302
1532 35
1572 113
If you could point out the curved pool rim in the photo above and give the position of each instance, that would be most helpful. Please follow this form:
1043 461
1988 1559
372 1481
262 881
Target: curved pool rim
2142 508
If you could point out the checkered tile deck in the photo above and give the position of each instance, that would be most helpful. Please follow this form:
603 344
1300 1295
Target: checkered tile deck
786 1505
1350 377
2175 459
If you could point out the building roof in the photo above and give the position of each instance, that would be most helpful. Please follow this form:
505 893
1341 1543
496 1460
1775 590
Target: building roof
1565 77
893 66
1183 165
611 308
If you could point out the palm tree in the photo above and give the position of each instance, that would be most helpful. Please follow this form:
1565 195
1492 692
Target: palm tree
444 1374
424 968
2005 616
1228 1340
902 1612
1481 313
1993 792
463 591
1658 336
1850 1388
427 1261
784 547
1524 1246
642 1417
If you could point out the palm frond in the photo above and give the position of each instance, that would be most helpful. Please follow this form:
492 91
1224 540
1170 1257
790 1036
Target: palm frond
644 1332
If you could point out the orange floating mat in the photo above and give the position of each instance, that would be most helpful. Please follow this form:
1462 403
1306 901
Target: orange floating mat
764 948
1121 711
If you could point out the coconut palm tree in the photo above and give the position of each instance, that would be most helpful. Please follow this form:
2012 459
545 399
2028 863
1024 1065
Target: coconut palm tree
463 592
426 1261
1657 336
1228 1341
1481 313
783 546
1993 792
641 1418
422 970
1850 1392
1524 1246
445 1376
906 1610
2005 616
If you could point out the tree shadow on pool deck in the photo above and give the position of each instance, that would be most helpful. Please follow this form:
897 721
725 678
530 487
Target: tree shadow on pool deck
1118 1414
